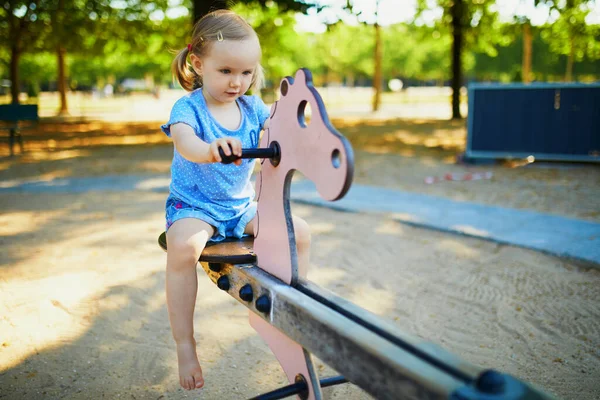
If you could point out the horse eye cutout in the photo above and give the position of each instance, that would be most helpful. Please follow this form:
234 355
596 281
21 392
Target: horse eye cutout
304 113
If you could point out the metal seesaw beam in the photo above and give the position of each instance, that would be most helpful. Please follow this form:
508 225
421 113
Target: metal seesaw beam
369 351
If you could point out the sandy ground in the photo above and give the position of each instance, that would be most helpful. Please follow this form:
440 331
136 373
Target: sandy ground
82 308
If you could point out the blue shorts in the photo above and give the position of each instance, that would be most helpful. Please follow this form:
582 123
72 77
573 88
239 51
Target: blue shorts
176 209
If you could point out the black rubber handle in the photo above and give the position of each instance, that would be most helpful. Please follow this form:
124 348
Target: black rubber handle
271 152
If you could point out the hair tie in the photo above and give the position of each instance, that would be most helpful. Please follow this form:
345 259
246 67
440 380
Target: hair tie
189 46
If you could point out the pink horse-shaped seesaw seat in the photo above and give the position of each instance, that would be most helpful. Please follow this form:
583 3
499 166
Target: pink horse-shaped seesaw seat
313 147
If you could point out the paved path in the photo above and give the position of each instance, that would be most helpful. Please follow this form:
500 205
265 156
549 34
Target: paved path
564 237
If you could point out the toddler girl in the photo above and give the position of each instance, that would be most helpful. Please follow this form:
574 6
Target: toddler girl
210 201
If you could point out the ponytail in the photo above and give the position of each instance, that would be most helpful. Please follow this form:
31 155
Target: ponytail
258 79
182 71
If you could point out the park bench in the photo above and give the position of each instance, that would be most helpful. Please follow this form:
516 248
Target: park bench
11 118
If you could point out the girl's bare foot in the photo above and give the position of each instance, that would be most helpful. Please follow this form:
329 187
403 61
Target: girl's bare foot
190 373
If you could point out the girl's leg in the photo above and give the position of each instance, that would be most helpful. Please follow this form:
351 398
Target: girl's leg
186 239
303 239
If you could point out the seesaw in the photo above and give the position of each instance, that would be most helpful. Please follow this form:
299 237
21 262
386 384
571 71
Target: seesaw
297 318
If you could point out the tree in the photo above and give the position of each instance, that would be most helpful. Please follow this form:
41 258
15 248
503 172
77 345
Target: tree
457 13
19 24
465 19
203 7
422 55
377 78
570 35
524 23
60 26
275 29
527 48
377 53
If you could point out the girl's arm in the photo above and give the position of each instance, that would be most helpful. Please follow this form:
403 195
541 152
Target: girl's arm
194 149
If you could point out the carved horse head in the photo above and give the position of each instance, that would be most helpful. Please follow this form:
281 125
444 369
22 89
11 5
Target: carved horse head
322 155
314 148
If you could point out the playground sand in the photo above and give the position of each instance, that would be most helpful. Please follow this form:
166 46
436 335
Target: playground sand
83 315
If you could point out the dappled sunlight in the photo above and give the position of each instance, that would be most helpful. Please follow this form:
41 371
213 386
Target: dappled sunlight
153 184
46 313
449 159
95 288
377 149
325 275
457 247
155 166
53 136
470 230
388 227
405 137
270 372
233 328
348 122
429 161
37 155
433 139
322 227
115 301
23 222
327 243
301 210
440 138
42 177
60 150
404 217
379 301
108 234
407 153
69 143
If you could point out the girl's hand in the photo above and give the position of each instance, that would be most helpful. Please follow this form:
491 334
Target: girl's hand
229 146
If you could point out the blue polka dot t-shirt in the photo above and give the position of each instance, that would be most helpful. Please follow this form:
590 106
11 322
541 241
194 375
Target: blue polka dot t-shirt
222 191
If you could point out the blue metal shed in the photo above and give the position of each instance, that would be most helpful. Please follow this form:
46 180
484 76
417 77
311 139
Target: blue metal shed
549 121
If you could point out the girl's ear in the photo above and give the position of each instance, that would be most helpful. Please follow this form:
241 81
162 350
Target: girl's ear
196 63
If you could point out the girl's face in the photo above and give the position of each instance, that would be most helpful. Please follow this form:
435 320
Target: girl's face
227 69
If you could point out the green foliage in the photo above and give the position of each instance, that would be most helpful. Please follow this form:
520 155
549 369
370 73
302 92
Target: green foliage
202 7
346 51
275 28
38 67
109 43
548 64
569 31
422 54
477 18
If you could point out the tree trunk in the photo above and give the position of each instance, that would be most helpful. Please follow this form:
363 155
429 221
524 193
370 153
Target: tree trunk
457 33
203 7
526 73
62 80
15 86
377 78
61 51
570 58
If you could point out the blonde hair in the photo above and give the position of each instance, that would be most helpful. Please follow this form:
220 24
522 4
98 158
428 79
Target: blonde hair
215 26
